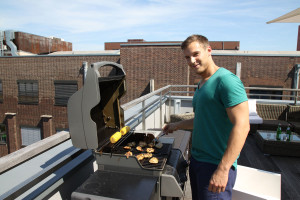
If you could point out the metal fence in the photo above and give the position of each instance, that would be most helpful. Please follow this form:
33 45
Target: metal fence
265 93
164 94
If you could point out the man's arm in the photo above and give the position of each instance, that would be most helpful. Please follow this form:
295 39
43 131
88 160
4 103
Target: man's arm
239 117
185 124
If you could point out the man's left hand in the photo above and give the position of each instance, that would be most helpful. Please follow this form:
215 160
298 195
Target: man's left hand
218 181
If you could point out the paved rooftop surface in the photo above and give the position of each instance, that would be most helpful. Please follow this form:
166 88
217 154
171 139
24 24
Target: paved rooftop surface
288 167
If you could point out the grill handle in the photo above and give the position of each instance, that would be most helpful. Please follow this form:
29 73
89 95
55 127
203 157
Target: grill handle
119 68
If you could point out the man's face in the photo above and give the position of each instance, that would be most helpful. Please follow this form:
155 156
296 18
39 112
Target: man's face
197 57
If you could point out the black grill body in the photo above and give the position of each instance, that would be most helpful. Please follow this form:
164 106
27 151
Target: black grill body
94 115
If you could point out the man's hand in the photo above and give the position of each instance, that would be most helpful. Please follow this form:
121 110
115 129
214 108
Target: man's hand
218 181
169 128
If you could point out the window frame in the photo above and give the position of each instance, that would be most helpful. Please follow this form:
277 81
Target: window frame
259 94
29 97
3 133
33 127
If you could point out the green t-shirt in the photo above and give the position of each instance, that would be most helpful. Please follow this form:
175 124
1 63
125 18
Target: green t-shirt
212 126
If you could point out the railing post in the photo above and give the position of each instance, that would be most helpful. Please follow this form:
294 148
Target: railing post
143 115
296 81
160 110
170 103
238 69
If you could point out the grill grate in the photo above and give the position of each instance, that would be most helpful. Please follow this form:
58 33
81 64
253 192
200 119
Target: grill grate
160 165
118 149
161 154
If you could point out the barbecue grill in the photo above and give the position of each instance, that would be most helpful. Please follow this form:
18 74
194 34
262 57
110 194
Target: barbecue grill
94 115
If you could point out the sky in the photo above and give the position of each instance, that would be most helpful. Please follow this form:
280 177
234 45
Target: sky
88 24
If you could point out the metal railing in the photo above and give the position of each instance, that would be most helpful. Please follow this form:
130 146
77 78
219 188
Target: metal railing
164 94
142 100
293 96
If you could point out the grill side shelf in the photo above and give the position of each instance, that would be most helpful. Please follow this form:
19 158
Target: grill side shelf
112 186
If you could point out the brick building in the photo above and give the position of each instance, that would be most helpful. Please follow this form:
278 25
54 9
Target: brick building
34 96
217 45
34 89
167 66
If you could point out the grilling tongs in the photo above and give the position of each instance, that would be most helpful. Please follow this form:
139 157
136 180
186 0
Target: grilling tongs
156 140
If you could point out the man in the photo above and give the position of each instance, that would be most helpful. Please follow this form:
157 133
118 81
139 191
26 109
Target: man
220 126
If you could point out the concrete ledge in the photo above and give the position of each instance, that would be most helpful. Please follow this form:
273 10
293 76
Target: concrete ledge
181 117
13 114
46 116
17 157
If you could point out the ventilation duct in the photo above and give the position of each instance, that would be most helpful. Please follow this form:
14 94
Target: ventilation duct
9 36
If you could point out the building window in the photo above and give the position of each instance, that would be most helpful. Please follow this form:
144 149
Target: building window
30 135
28 92
1 92
3 135
63 91
265 94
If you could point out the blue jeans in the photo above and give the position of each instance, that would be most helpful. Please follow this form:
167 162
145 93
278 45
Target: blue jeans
200 174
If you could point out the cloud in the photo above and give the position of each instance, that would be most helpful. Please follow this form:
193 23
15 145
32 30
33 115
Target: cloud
94 15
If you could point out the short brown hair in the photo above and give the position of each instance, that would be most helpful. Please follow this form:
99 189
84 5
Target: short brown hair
195 38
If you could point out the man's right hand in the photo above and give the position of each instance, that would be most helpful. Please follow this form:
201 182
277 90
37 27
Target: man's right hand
170 128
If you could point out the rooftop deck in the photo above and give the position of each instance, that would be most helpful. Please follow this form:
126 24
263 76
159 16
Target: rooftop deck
288 167
53 172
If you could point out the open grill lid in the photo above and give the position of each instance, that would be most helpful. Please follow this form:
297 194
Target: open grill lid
94 112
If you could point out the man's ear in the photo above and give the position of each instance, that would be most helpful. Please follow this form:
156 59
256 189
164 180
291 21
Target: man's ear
209 50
